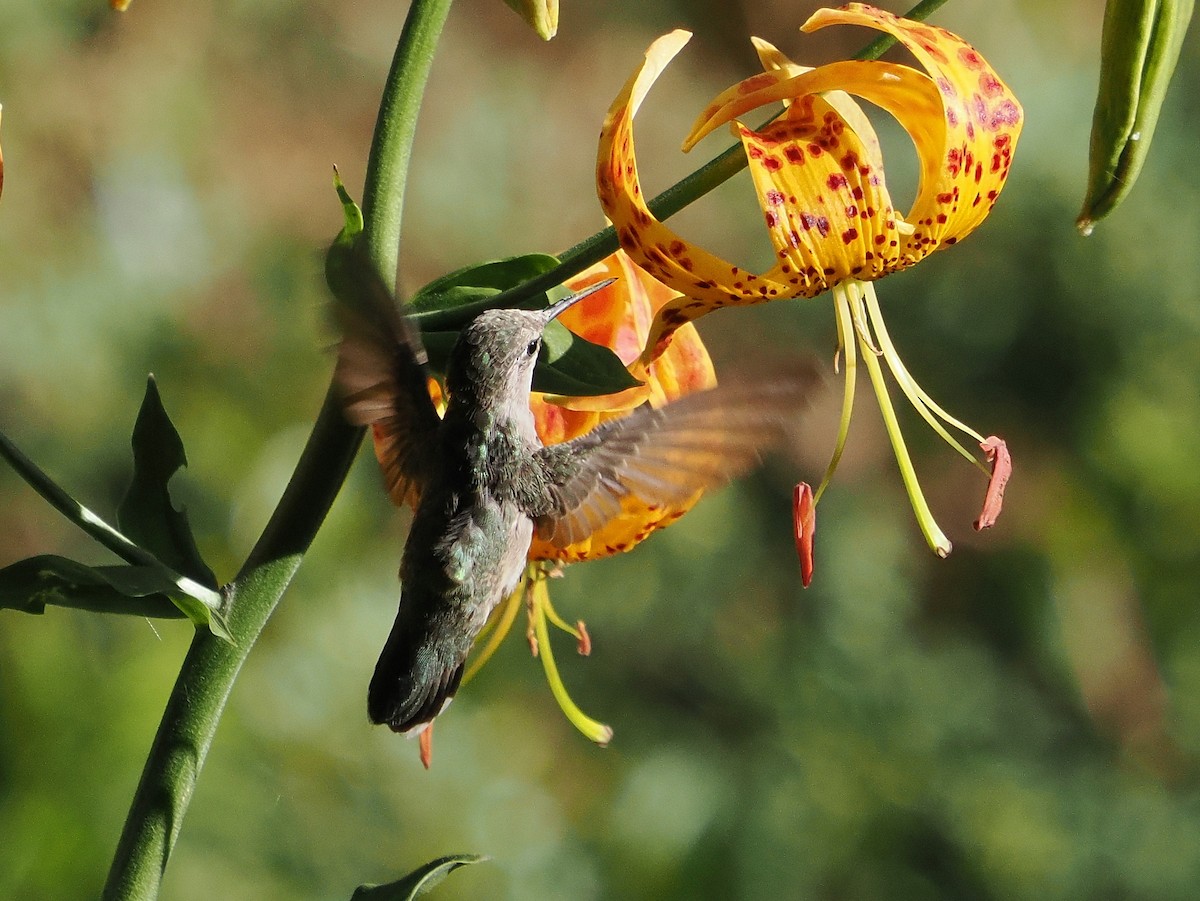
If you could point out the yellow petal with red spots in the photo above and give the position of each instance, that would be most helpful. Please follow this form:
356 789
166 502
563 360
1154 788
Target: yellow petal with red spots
704 277
966 150
817 169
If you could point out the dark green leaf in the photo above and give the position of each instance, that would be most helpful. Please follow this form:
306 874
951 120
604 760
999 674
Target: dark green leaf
146 514
416 883
29 585
481 281
574 367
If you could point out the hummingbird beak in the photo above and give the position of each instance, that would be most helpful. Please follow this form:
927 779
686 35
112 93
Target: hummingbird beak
552 312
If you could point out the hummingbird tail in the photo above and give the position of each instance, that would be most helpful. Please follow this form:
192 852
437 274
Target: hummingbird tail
413 682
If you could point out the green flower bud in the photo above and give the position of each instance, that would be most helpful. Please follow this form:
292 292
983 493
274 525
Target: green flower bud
541 14
1139 49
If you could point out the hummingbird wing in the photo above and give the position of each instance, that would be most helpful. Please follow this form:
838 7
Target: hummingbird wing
383 378
663 456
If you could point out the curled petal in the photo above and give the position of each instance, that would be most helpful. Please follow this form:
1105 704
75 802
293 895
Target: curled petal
706 279
995 451
966 149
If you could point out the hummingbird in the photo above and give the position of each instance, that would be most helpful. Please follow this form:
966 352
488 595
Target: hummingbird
483 484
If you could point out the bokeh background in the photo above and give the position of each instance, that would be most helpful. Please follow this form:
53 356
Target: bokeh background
1021 720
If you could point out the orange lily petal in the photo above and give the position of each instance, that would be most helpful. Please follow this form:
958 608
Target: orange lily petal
705 278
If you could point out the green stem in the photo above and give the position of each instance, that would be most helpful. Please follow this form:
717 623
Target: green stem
592 250
395 127
211 665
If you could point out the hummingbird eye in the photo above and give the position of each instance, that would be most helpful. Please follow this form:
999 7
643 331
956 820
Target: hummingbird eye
533 347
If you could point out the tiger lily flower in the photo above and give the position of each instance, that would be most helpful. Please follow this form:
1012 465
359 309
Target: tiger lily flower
818 173
618 317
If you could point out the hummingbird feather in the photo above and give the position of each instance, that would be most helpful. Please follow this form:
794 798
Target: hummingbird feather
383 376
664 455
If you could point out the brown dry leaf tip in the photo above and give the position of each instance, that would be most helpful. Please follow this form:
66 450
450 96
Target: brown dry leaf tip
804 519
425 739
585 640
995 451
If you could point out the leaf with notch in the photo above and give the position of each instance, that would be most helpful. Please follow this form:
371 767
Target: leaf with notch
146 514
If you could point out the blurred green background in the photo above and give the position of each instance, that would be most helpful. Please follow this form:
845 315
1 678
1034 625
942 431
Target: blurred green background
1021 720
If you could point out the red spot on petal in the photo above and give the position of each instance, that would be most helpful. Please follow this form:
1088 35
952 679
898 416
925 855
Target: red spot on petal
772 164
849 235
970 58
820 223
837 181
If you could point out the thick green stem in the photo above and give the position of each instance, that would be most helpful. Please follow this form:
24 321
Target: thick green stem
391 148
211 665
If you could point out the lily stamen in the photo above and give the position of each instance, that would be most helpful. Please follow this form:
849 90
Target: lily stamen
539 597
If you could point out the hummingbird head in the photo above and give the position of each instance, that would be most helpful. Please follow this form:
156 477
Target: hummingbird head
494 356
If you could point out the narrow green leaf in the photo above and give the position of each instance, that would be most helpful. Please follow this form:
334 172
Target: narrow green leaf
351 213
146 514
418 882
29 585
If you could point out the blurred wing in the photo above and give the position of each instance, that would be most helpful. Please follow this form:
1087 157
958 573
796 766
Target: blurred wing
664 456
381 374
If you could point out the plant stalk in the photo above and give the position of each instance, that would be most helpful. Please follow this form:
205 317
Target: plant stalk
211 666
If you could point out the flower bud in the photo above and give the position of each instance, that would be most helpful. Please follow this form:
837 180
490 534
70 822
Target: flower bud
1139 48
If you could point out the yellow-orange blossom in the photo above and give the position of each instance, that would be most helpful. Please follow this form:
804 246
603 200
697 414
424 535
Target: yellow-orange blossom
818 173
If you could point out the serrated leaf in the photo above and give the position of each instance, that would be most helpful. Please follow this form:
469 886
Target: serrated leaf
146 514
29 585
418 882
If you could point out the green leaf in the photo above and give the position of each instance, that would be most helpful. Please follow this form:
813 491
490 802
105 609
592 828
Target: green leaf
416 883
351 213
146 514
572 366
479 282
29 585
